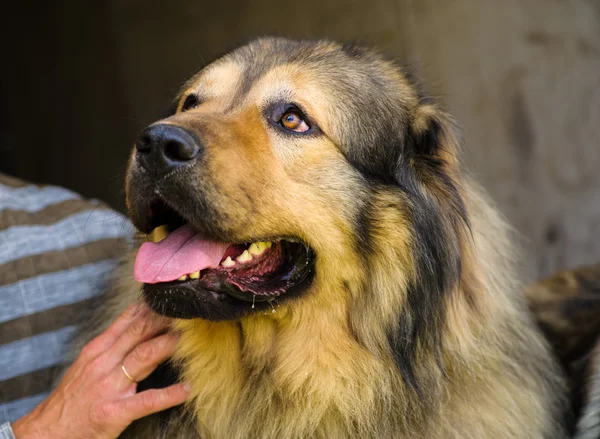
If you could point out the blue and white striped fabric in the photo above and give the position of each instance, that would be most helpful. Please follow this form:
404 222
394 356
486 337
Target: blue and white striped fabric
6 431
57 251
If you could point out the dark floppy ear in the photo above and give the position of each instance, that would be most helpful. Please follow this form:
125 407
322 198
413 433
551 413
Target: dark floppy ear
434 133
434 145
431 159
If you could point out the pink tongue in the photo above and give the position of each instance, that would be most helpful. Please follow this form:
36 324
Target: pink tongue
182 252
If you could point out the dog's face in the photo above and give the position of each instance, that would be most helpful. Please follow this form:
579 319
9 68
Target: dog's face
265 175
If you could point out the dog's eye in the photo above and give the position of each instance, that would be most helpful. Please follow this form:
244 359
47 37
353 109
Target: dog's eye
293 120
190 102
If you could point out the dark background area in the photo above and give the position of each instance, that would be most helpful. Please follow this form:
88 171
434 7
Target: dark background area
80 79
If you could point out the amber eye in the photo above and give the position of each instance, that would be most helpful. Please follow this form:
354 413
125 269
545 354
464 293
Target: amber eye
293 121
190 102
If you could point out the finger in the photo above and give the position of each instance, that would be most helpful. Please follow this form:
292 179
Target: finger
152 401
141 329
107 338
144 358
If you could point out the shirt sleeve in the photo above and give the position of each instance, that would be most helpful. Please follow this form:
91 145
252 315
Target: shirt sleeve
6 431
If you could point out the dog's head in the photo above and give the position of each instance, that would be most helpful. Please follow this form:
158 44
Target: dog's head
289 165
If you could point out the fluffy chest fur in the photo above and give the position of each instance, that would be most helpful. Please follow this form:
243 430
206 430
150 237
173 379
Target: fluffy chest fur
275 378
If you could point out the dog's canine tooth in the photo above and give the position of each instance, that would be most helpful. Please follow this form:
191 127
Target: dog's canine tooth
254 249
195 275
257 248
184 277
159 233
244 257
228 262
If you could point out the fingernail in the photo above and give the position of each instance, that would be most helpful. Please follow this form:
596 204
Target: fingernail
187 387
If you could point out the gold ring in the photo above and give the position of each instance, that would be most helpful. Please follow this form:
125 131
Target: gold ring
127 374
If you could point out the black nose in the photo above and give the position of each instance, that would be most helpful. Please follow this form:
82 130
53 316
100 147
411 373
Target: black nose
162 148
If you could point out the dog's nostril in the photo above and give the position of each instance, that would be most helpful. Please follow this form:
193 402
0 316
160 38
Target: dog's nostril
163 147
180 151
143 143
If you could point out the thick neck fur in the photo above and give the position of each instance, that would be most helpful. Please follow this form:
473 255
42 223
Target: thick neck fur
318 367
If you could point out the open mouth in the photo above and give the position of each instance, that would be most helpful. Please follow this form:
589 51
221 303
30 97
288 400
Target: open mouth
180 260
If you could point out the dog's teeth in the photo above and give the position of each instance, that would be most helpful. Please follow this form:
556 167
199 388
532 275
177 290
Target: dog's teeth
184 277
228 262
254 250
158 234
258 248
195 275
268 244
244 257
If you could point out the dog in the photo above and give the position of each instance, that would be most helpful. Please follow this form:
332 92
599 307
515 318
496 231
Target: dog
332 269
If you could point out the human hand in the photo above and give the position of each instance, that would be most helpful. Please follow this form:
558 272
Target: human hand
96 399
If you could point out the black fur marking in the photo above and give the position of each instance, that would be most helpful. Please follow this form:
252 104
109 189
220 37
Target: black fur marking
363 225
437 270
437 265
251 74
436 221
437 211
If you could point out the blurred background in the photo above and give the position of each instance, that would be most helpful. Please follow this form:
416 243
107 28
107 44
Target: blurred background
80 79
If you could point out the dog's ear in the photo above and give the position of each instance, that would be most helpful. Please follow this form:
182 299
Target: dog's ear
431 154
434 144
433 135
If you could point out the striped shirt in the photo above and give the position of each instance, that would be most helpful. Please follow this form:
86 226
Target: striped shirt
57 251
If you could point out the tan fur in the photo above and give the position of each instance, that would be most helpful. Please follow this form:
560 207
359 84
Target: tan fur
319 366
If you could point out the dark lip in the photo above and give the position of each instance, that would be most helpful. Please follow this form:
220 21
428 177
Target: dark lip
147 213
213 298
